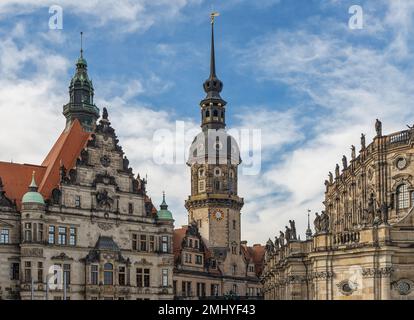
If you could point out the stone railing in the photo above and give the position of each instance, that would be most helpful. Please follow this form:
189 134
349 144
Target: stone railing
346 237
401 137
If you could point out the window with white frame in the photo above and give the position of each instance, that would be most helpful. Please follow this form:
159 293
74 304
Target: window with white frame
4 236
403 197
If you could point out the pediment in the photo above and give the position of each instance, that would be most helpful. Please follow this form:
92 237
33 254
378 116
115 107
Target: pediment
5 224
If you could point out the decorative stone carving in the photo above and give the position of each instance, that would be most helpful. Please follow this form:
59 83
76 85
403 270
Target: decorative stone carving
344 162
32 252
378 128
105 161
62 256
377 272
323 275
4 201
103 199
330 177
293 229
347 287
317 223
353 152
282 238
92 141
72 176
363 146
84 158
56 196
105 226
403 286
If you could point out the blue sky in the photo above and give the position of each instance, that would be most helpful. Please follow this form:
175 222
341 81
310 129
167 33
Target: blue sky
293 69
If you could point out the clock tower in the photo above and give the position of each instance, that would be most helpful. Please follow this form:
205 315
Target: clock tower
214 159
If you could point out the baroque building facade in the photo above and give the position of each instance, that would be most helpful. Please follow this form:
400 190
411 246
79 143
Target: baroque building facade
81 225
363 245
211 260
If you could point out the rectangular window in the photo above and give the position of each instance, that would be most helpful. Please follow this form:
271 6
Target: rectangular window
15 271
51 234
165 277
190 243
196 244
28 232
134 242
183 289
66 273
40 272
139 277
199 223
62 236
151 244
201 186
4 236
94 274
175 287
28 271
72 236
146 278
130 208
201 289
77 201
199 259
234 224
164 244
121 276
213 264
214 289
40 232
143 242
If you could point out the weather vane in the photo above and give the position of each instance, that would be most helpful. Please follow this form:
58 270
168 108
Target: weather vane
213 15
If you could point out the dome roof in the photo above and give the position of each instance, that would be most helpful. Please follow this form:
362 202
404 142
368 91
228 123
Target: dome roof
212 145
32 196
164 213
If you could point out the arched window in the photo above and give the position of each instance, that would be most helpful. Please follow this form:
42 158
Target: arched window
403 197
207 113
215 113
108 274
201 173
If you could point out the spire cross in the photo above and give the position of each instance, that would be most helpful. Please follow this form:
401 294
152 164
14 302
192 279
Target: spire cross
213 15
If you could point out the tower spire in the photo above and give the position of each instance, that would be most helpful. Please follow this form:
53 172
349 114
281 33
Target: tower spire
81 46
213 105
213 15
309 230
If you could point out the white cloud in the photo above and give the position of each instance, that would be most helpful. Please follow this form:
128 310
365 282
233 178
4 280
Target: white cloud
132 15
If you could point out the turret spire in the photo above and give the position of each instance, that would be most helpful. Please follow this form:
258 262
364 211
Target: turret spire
213 15
213 105
81 93
309 230
81 46
33 185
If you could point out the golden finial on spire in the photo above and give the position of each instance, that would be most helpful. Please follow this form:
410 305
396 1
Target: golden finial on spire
213 15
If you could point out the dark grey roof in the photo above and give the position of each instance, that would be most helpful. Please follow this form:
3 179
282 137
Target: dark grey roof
106 243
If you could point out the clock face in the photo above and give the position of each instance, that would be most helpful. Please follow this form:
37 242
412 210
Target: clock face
218 214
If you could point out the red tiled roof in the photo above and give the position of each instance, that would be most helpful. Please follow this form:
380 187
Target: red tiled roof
178 237
16 177
255 254
65 151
